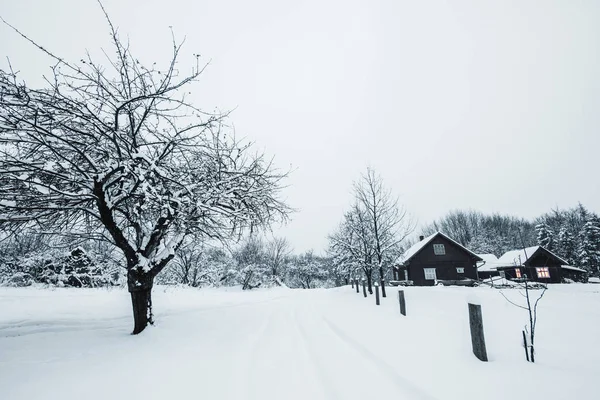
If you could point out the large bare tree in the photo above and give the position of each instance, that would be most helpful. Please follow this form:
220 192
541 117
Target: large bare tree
120 148
385 217
372 231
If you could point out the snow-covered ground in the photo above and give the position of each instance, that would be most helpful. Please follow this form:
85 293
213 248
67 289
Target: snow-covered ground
295 344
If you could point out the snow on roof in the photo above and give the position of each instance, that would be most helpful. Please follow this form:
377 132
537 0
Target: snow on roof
490 263
488 257
415 248
518 257
572 268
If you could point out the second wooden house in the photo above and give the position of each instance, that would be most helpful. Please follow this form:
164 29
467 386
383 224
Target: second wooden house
538 264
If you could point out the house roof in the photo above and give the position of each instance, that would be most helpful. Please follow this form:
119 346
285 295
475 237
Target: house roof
417 247
518 257
572 268
490 263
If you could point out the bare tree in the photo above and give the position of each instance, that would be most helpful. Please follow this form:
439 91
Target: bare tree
251 262
306 269
188 264
277 252
121 148
531 307
385 217
372 232
483 233
353 241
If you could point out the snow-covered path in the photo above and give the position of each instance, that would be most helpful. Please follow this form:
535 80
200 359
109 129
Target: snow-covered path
285 346
281 344
298 351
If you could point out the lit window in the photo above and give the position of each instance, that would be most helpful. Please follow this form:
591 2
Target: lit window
543 272
517 272
439 249
430 274
460 270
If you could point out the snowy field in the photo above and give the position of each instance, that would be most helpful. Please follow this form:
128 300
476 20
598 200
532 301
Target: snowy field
294 344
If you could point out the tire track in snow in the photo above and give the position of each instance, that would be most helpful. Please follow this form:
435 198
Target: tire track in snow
385 369
250 372
321 374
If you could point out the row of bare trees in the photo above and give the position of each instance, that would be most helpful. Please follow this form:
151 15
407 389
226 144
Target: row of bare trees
371 235
116 152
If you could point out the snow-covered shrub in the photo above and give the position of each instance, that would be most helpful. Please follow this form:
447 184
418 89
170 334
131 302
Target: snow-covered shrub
306 271
253 276
73 269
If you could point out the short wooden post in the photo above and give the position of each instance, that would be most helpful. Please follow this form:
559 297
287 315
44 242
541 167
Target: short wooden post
525 345
402 302
477 338
364 288
383 288
376 293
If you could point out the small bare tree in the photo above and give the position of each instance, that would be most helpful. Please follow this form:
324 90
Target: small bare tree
530 306
188 264
277 252
121 148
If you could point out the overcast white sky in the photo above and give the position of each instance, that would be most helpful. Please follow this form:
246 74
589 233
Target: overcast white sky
490 105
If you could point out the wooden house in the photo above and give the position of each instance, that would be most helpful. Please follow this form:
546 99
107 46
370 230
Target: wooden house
436 257
537 264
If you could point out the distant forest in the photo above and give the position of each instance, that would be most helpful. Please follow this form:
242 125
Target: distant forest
573 234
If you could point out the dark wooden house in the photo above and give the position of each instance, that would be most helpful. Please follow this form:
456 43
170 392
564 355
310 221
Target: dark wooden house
436 257
537 264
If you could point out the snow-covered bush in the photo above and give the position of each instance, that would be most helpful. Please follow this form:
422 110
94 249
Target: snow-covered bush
74 269
253 276
307 271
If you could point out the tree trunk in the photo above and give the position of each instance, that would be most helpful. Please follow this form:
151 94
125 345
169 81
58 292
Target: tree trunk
140 286
382 281
141 301
370 282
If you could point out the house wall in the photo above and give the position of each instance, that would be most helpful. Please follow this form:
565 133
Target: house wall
487 274
543 259
577 276
445 265
510 273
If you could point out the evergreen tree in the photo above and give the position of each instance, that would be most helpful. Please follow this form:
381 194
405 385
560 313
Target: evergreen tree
545 236
567 247
589 247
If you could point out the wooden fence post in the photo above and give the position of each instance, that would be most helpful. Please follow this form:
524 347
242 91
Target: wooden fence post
477 338
376 293
356 283
402 302
364 288
383 288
